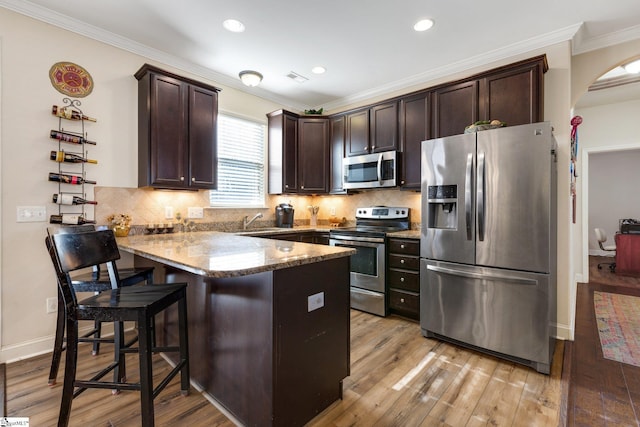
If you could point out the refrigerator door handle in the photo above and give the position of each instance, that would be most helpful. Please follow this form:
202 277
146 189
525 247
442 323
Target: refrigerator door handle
480 196
468 195
471 275
380 168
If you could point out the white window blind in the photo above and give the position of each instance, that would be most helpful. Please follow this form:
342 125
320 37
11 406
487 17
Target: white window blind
241 169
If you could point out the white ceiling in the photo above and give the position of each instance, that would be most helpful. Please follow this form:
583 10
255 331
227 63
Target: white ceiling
367 46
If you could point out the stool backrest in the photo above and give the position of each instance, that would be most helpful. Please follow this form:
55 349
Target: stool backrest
74 251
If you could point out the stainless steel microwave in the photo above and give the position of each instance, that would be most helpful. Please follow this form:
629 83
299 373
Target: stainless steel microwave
377 170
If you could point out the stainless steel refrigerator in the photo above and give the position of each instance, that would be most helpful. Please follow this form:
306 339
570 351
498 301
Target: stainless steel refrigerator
488 242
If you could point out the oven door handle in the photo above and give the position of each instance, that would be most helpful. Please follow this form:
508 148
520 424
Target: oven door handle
370 242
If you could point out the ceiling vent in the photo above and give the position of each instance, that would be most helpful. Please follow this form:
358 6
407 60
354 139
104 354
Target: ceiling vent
297 77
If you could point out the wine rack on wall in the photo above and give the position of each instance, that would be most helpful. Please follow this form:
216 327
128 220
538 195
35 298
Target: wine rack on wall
71 157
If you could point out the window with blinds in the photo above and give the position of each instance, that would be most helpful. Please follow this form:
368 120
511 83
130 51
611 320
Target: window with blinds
241 171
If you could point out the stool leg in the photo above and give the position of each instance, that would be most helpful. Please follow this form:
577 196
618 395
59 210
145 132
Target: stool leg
57 342
120 371
69 373
97 335
146 375
184 344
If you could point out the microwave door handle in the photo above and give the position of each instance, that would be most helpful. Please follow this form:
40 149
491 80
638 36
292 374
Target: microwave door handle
380 168
480 196
468 195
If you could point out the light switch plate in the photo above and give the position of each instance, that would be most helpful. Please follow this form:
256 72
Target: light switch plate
168 212
195 212
315 301
31 214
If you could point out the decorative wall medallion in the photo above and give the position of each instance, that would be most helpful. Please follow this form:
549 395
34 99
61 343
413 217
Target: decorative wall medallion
71 79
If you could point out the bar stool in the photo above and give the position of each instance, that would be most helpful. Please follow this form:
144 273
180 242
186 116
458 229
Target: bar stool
72 252
95 281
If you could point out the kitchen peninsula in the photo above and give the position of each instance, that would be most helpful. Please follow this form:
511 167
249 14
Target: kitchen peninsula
268 320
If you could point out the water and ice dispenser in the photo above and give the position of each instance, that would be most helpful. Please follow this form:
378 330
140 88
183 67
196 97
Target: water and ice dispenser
442 203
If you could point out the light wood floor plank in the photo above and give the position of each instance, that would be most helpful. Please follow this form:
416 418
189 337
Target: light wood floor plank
398 378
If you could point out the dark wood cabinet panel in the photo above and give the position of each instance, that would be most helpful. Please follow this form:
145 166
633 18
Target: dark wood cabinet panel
298 153
177 131
203 153
403 277
357 133
514 96
383 122
313 155
336 143
414 127
454 108
283 152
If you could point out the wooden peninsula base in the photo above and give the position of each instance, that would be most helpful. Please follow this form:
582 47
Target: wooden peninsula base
271 347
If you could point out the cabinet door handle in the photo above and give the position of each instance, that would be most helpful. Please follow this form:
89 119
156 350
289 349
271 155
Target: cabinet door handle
402 279
286 186
193 179
302 187
401 261
182 178
401 246
402 300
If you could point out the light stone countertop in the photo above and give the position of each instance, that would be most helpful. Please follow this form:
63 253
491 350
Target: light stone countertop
407 234
218 254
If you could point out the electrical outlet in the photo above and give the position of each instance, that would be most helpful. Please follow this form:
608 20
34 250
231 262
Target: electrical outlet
52 305
168 212
31 214
332 211
195 212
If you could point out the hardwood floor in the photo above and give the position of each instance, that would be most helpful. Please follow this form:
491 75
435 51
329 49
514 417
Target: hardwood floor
601 392
398 378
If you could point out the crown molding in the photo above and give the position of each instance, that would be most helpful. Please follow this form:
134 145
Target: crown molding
584 45
481 59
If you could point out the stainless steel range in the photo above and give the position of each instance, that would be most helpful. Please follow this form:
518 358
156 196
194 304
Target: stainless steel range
368 264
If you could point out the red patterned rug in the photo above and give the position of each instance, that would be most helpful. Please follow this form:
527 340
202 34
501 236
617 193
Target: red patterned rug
618 320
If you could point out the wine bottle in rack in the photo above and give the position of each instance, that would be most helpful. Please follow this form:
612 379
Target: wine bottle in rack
62 156
69 113
70 199
69 137
68 179
69 219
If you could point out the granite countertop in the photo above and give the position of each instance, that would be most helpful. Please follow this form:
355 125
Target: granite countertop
218 254
407 234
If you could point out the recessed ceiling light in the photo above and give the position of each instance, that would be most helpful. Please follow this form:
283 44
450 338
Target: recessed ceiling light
318 70
233 25
423 25
633 67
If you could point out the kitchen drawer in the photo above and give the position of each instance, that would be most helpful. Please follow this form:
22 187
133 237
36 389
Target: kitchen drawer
404 261
404 246
403 279
407 303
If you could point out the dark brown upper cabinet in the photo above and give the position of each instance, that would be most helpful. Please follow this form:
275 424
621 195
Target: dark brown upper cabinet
514 95
313 155
336 143
414 127
298 153
455 107
177 131
372 130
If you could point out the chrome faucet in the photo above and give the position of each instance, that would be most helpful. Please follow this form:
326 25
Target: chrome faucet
246 221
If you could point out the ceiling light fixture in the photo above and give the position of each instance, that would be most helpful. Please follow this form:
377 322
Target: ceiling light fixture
233 25
250 78
318 70
423 25
632 67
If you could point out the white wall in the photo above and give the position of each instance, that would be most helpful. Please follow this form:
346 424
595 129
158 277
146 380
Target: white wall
614 178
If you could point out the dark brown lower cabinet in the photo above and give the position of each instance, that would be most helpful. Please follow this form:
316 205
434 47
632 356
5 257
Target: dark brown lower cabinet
403 277
259 348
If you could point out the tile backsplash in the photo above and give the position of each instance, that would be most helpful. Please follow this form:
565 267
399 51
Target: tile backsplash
147 206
